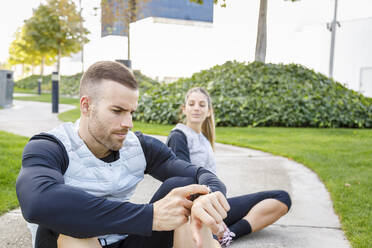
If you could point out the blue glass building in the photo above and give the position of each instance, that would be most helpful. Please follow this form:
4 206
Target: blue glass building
175 9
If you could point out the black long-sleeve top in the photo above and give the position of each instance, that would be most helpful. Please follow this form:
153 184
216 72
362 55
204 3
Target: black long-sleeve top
177 142
46 200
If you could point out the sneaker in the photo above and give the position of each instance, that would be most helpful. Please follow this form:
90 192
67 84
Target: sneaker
226 239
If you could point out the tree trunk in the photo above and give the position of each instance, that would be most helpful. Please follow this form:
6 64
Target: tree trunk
132 8
261 33
42 68
82 58
41 74
82 44
128 42
59 60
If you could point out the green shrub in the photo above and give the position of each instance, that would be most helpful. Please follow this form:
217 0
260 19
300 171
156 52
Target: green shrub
31 83
257 94
69 85
145 83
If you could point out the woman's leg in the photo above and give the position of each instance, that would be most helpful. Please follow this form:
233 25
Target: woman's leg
265 213
70 242
183 237
252 212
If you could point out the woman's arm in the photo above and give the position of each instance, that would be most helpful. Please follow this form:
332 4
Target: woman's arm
177 142
161 163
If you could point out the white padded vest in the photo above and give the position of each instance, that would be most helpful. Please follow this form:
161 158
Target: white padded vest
115 181
201 152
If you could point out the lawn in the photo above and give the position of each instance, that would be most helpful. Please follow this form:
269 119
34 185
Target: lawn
11 147
27 91
341 157
47 97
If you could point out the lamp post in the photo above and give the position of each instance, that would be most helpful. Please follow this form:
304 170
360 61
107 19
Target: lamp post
55 98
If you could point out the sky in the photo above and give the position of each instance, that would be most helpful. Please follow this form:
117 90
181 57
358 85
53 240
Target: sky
12 15
14 12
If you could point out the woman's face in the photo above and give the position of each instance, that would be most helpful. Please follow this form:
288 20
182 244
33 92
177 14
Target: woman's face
196 108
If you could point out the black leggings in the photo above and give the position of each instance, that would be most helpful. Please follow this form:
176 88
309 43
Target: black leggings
239 207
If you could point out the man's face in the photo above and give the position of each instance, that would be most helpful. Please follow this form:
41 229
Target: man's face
111 114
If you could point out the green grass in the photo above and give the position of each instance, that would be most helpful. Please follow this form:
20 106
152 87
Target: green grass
20 90
340 157
11 147
71 115
47 97
152 128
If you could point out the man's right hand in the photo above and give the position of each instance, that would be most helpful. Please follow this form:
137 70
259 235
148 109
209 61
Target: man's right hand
174 209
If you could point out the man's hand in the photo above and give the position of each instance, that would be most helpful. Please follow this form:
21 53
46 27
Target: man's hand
209 210
174 209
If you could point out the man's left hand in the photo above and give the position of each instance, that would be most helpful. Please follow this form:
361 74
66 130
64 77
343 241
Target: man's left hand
210 210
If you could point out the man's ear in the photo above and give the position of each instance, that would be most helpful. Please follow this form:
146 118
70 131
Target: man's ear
85 107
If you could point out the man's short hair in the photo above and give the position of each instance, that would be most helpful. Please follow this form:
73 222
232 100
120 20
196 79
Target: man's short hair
108 70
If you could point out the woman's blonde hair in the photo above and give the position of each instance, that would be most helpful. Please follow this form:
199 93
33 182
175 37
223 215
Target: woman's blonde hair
208 128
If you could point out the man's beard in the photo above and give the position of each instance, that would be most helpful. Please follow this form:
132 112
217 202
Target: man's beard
102 135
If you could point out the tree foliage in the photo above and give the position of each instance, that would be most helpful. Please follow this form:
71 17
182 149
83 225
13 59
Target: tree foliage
21 51
222 2
56 29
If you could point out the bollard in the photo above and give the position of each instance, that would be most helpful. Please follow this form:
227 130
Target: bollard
55 81
39 86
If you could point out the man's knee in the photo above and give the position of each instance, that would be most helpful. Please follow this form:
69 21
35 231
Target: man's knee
175 182
171 183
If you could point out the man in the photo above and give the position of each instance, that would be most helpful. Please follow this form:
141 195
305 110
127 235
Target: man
76 180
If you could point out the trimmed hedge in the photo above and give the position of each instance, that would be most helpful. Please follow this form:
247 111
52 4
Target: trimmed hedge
257 94
246 94
69 85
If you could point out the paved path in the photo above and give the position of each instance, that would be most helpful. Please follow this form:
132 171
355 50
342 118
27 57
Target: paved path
311 223
29 118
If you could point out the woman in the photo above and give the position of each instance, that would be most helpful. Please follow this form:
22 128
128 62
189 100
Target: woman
194 142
